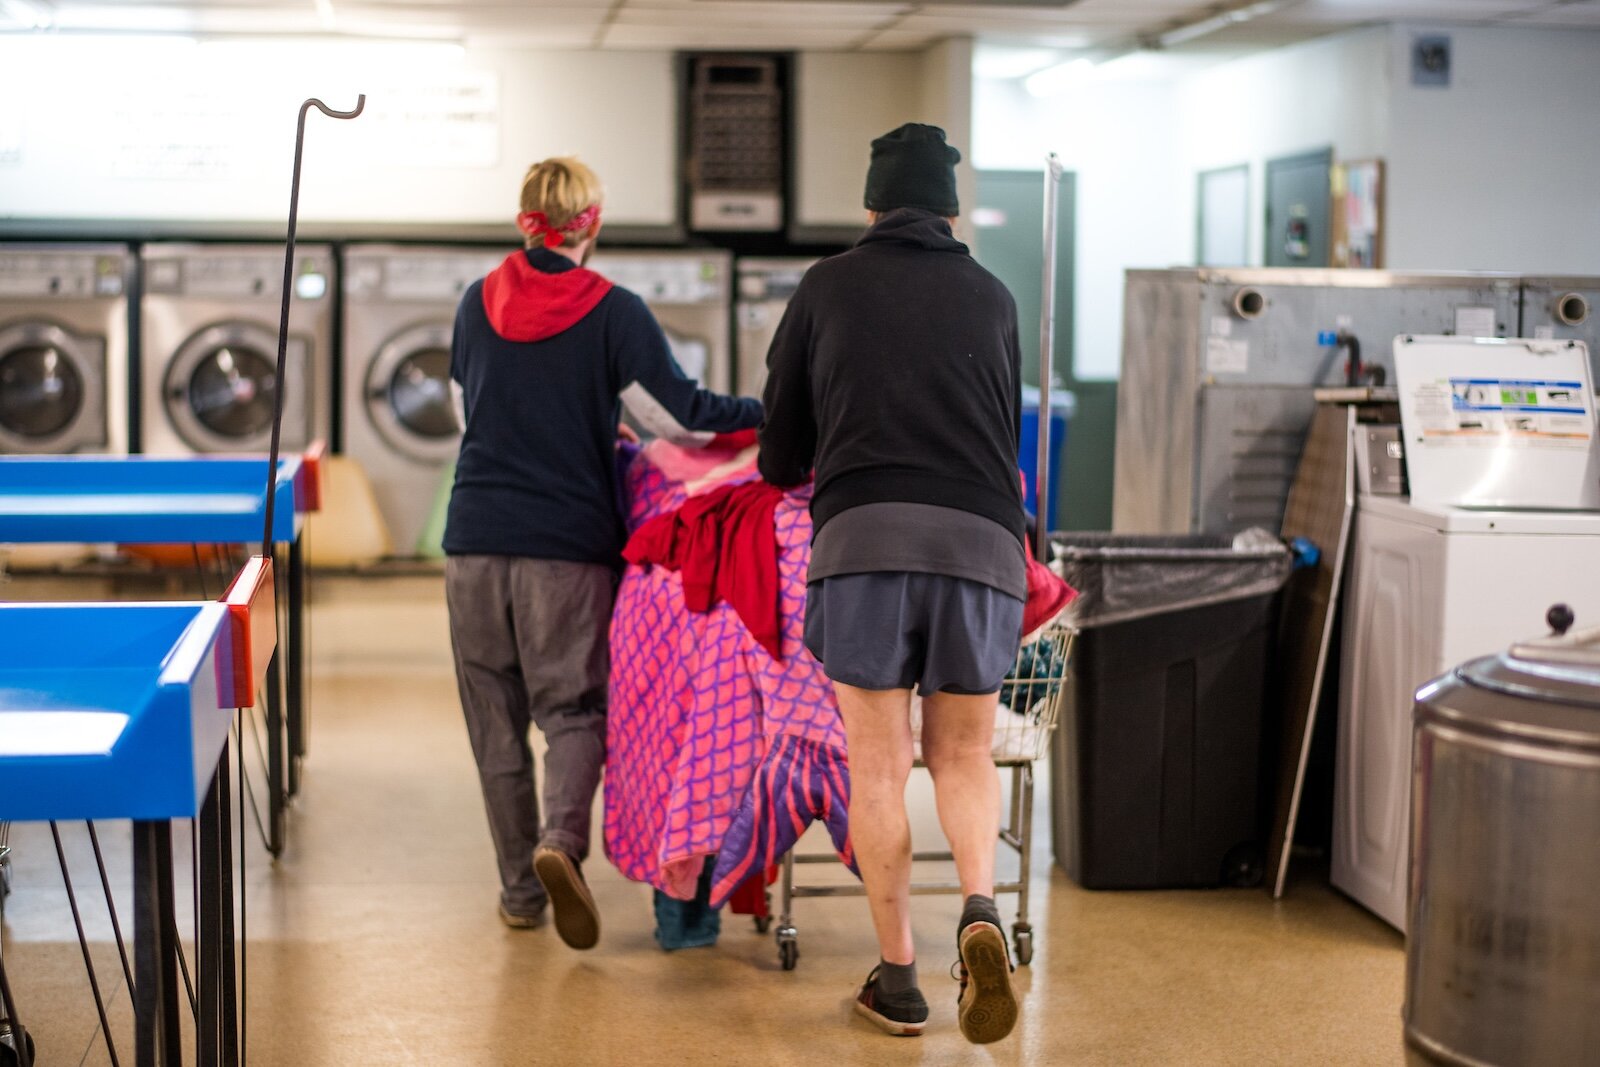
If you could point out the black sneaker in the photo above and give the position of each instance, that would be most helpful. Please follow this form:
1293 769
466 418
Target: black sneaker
902 1014
577 918
987 1005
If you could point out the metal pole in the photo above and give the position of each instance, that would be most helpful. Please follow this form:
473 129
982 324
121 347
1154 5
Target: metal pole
1047 346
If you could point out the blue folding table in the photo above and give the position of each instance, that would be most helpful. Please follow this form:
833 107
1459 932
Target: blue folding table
197 500
123 711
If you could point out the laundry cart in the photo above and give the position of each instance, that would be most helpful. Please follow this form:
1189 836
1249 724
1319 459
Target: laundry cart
1028 710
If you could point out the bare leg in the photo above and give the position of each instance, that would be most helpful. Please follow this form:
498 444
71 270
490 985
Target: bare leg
957 735
877 725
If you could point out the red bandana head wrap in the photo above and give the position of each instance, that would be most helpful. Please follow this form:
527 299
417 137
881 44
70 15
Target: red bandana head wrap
537 224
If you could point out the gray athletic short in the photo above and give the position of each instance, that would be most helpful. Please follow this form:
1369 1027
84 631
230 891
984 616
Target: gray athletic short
896 630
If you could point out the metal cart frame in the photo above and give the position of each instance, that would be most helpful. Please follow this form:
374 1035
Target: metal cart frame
1041 699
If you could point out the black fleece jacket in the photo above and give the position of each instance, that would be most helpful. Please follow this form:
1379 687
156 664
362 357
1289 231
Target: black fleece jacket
896 374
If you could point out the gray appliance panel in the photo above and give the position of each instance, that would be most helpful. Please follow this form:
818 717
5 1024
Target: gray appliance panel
1250 443
764 289
691 296
1183 330
70 298
1564 308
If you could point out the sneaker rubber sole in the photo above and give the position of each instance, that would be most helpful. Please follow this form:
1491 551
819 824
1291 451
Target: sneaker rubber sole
888 1025
577 918
521 922
988 1009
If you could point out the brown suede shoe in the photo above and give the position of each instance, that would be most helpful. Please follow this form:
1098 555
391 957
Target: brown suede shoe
577 918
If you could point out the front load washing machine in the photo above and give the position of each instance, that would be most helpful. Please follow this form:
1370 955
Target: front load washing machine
1501 445
64 348
765 286
689 293
209 347
399 421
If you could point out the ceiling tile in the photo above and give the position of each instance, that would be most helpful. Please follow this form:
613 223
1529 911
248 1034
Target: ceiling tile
620 35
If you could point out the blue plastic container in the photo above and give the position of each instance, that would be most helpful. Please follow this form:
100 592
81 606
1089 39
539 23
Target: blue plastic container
195 500
1062 406
110 711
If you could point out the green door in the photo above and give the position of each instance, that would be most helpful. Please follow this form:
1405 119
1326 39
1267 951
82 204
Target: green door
1009 225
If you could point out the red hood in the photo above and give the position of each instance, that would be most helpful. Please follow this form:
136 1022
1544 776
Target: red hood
527 304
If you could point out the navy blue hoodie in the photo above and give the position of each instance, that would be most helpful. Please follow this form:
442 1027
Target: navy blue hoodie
545 353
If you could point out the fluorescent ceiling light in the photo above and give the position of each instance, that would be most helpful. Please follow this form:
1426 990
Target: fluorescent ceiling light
1220 21
1053 81
325 13
29 14
1004 63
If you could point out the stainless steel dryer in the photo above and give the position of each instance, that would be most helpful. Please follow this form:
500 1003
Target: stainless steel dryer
209 347
689 293
1219 369
764 289
64 348
398 418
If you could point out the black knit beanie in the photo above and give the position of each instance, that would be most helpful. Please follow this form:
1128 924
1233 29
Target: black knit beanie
913 167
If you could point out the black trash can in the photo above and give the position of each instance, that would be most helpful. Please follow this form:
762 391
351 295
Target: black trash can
1156 764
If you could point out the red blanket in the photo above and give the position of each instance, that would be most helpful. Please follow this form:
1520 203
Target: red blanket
724 545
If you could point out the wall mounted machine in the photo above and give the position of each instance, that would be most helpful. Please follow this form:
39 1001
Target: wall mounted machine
64 348
209 345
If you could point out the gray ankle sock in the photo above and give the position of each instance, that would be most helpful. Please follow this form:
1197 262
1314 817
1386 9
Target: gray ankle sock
979 909
896 977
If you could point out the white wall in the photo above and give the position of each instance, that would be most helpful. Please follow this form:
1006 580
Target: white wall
1328 92
946 99
167 128
842 101
1498 171
1119 139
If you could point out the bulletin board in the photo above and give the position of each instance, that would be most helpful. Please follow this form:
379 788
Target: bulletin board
1357 190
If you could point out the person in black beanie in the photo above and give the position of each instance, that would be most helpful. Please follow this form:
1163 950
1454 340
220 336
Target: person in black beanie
895 380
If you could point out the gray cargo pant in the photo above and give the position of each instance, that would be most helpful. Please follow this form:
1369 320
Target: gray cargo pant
530 644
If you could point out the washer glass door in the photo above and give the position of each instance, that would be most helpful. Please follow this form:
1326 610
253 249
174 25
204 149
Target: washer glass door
232 390
419 393
41 391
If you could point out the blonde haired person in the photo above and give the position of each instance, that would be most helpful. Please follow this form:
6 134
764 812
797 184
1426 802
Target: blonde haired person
544 353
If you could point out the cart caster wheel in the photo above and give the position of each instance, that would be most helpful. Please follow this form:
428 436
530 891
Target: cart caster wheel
763 923
1022 939
10 1051
788 947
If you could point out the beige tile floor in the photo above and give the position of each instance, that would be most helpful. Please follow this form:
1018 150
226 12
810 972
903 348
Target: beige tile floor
374 939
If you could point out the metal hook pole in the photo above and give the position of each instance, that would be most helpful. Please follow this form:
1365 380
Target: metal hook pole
283 316
1047 345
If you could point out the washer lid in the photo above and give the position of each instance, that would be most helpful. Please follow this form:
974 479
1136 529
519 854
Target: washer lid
1497 423
41 389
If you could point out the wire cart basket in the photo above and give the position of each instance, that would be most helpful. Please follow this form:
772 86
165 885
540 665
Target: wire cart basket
1029 708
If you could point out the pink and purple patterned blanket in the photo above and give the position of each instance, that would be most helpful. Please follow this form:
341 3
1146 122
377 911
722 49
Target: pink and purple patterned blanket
714 747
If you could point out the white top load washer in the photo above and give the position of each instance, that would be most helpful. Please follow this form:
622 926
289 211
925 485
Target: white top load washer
64 348
209 347
1504 473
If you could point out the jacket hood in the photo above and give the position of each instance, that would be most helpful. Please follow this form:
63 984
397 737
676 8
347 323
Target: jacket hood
914 226
537 294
